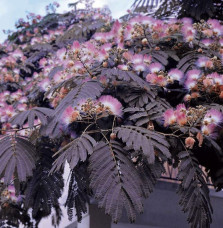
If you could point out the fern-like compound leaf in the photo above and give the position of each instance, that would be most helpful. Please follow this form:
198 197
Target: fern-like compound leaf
77 150
149 142
17 154
42 114
193 191
115 181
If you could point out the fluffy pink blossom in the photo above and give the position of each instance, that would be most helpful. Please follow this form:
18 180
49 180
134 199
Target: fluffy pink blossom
140 67
207 42
175 74
169 117
112 103
123 67
155 67
151 78
208 130
45 84
69 115
213 116
190 84
193 74
61 53
137 59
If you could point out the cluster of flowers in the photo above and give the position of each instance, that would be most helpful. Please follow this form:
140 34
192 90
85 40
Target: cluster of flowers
78 59
197 83
86 109
11 102
209 120
161 78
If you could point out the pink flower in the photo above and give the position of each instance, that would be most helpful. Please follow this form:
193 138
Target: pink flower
207 42
137 59
75 46
61 53
45 84
190 84
161 80
169 117
193 74
208 130
123 67
151 78
112 103
155 67
205 62
201 62
208 82
140 67
147 59
180 114
101 37
175 74
218 79
213 116
70 115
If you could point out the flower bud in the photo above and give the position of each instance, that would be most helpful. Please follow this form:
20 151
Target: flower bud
189 142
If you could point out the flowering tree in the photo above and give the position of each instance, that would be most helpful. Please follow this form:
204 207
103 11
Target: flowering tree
116 101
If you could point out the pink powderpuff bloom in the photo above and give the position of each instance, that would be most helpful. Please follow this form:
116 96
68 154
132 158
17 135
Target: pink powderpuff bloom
208 130
61 53
45 84
123 67
176 74
101 37
147 59
213 116
208 82
190 84
207 42
112 103
201 62
161 80
180 114
17 54
151 78
155 67
9 111
181 118
137 59
169 117
181 108
128 32
221 42
218 79
69 115
193 74
43 62
218 30
128 56
75 46
140 67
21 107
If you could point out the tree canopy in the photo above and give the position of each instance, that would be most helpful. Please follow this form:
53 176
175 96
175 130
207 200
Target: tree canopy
116 100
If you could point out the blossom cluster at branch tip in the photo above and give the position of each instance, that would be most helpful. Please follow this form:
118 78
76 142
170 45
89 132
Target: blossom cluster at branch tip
194 117
105 105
